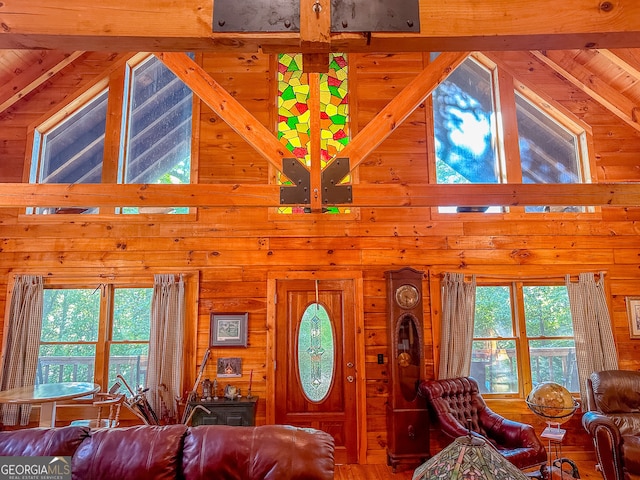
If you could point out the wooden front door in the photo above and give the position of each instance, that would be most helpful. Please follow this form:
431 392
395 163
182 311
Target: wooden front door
312 391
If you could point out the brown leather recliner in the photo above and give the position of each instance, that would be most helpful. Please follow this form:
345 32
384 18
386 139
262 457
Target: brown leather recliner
454 401
613 420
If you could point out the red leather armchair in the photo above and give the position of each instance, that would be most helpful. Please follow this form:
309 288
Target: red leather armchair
613 421
453 402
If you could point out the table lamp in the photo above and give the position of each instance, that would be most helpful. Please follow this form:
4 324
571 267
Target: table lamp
468 458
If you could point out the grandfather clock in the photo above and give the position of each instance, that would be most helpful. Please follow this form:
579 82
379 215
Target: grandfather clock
407 416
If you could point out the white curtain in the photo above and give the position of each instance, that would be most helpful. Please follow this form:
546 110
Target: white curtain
20 359
458 310
595 348
164 374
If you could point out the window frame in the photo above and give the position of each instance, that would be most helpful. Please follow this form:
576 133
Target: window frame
505 88
522 341
104 340
118 97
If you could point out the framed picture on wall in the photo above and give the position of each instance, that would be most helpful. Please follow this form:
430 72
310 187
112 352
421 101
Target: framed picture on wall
229 367
633 313
229 329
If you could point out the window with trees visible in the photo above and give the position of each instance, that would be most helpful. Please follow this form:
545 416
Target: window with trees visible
523 336
92 334
155 137
468 134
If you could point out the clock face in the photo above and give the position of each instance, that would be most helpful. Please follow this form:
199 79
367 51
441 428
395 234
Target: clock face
407 296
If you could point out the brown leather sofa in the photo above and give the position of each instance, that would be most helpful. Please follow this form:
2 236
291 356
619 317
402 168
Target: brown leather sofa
454 401
613 420
270 452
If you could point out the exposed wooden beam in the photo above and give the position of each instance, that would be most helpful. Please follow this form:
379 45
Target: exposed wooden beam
396 111
226 107
315 25
590 83
28 80
446 25
20 195
629 63
631 56
469 195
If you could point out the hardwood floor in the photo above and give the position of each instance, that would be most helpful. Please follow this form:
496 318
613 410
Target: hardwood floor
383 472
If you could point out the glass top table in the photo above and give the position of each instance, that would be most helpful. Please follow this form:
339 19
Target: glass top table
47 395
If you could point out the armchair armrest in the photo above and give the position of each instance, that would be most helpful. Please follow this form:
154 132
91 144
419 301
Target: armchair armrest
507 432
606 440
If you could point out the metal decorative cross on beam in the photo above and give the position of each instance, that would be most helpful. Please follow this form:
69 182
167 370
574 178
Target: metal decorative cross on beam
300 192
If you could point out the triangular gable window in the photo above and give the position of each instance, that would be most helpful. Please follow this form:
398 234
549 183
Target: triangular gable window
72 151
468 135
549 152
155 139
157 128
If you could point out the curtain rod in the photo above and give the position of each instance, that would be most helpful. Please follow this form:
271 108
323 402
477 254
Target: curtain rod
513 278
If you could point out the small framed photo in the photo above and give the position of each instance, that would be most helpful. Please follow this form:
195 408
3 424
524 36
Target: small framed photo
229 367
633 313
229 329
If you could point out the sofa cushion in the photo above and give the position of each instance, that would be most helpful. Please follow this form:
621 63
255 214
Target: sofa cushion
133 453
42 442
268 452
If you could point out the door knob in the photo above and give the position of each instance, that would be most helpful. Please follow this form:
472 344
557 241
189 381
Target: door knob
350 379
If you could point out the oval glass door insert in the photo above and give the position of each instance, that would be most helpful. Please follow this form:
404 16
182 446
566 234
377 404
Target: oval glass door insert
316 352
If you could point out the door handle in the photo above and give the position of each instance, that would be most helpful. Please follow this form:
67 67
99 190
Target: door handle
350 379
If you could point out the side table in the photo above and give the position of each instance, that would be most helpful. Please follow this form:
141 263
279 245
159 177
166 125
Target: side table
555 436
239 412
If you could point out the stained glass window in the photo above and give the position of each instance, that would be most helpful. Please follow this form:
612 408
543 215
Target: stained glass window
293 107
316 352
294 114
334 109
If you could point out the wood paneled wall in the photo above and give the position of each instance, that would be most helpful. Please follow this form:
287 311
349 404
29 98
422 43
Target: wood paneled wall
234 249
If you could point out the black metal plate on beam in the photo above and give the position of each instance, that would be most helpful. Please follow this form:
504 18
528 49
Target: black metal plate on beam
375 16
299 192
256 15
332 192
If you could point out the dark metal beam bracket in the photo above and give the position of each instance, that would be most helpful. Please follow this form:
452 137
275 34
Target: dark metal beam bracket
332 192
298 193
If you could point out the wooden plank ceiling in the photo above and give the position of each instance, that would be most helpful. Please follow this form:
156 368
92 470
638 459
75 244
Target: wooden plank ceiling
600 41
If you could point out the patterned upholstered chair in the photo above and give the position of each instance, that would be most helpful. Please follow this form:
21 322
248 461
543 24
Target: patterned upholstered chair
457 406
